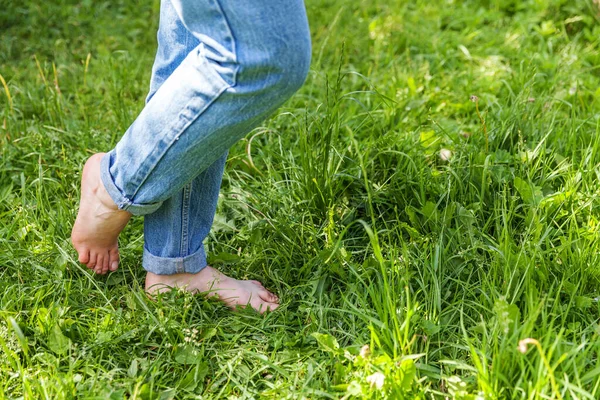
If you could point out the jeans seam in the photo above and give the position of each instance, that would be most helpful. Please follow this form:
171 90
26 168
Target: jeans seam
185 220
202 184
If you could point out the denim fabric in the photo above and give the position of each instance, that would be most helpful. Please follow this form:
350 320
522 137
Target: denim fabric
222 67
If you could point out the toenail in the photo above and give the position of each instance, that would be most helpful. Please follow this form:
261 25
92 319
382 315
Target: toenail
114 266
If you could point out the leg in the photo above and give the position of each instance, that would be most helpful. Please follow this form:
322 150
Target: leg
175 42
231 84
174 234
251 58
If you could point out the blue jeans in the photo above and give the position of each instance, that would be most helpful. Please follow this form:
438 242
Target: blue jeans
221 68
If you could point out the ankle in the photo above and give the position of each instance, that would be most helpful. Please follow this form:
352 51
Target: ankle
92 180
102 195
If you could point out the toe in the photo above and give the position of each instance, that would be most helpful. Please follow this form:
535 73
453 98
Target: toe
84 256
99 264
267 296
263 306
91 264
105 264
257 283
113 259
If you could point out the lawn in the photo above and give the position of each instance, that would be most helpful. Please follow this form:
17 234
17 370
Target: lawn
427 207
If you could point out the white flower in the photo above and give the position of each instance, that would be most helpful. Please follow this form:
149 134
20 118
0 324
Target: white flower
445 154
376 380
365 351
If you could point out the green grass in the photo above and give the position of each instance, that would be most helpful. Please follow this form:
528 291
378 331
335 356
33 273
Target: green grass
340 203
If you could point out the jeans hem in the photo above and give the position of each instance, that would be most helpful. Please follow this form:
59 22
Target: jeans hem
122 201
191 264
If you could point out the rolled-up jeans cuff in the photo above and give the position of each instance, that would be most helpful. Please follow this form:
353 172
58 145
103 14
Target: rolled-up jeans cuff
120 199
191 264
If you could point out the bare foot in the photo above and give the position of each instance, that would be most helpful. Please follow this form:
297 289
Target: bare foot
98 222
211 282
